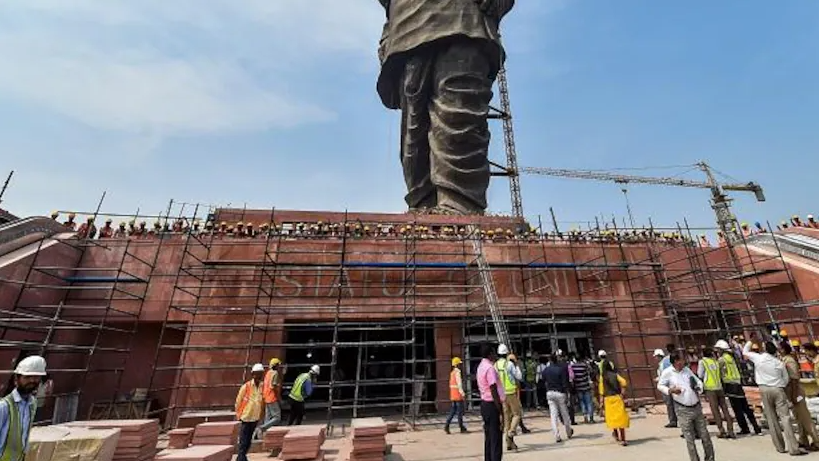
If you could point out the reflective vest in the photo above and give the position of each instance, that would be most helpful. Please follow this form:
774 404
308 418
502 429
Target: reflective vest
732 374
509 386
245 394
14 448
298 387
269 392
454 388
531 370
712 379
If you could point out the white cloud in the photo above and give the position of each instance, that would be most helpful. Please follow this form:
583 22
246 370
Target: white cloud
176 67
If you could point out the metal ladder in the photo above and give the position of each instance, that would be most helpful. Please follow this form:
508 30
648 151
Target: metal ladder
488 283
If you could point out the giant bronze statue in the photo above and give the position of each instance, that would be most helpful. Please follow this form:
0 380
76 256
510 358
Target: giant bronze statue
439 59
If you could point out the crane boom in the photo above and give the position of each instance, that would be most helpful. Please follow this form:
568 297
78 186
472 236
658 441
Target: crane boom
629 179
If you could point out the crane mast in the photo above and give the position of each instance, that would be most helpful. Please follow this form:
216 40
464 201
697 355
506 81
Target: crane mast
505 113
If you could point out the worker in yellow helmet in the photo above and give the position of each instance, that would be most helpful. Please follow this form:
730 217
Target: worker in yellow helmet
456 396
271 392
55 215
70 223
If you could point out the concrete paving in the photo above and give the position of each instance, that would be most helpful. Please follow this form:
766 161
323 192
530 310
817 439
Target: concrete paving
648 441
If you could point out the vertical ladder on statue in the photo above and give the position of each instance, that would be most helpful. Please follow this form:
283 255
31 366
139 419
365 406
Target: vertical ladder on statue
490 295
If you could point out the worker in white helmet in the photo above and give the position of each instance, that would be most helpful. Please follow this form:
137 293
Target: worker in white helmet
302 388
18 408
249 406
732 383
510 376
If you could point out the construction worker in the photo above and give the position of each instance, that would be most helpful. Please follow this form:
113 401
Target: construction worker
509 377
70 223
18 408
87 229
302 388
249 404
271 392
796 397
732 385
107 231
759 229
121 231
746 229
812 222
812 352
708 371
55 215
456 396
529 380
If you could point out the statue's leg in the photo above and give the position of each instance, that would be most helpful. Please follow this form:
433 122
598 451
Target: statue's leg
459 132
415 90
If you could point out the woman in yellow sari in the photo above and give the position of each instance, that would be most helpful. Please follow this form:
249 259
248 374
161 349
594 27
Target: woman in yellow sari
612 390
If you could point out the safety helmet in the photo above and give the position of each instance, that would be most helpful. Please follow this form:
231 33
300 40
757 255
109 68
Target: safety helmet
816 343
314 369
659 353
249 224
795 343
810 216
502 349
274 361
90 219
721 344
456 361
33 365
54 214
601 353
783 333
257 367
122 224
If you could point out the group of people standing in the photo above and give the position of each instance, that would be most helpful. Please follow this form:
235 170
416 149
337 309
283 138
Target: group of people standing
261 396
500 381
718 378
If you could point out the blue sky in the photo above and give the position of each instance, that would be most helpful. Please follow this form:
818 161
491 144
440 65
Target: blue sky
272 103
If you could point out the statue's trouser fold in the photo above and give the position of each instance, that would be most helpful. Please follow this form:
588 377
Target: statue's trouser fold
445 94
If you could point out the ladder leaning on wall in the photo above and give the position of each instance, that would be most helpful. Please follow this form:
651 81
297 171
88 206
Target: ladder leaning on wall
488 285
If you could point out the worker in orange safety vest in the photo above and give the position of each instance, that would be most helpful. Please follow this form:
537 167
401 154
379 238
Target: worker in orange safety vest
249 405
456 396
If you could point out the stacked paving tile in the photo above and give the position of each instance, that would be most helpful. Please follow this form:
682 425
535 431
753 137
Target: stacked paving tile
274 438
197 453
303 443
137 440
369 440
180 438
226 433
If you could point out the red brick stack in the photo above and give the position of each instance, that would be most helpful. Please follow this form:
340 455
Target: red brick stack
226 433
180 438
200 453
274 437
369 439
303 443
137 440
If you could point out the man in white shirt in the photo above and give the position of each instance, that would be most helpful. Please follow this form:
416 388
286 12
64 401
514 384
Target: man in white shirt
684 388
771 376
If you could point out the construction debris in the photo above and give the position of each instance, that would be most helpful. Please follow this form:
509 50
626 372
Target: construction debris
137 440
60 443
197 453
303 443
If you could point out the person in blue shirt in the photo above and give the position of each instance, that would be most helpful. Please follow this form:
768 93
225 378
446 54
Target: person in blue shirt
18 408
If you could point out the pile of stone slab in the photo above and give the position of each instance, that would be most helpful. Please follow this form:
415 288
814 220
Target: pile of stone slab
303 443
274 438
197 453
137 439
226 433
60 443
369 441
180 438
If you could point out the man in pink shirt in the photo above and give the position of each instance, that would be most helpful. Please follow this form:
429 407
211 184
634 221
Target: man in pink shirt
491 404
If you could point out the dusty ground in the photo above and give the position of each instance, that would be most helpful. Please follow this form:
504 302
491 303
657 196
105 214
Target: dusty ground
648 439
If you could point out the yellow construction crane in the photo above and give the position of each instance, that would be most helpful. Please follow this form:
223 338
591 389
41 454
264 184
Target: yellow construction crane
720 202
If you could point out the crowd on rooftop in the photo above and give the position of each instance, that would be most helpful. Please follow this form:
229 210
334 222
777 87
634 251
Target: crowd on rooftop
359 230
